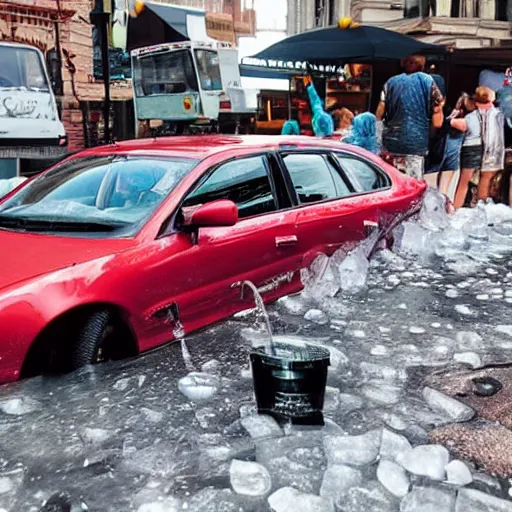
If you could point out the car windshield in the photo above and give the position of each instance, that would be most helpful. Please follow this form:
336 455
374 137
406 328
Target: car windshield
94 194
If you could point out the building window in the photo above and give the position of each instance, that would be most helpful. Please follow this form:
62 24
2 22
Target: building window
503 10
419 8
465 8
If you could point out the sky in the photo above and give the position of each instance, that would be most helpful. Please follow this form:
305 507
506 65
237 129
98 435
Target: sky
270 27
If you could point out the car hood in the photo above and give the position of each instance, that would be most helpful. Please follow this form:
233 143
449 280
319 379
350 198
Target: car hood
27 255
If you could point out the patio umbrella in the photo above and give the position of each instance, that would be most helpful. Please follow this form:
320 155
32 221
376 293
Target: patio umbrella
361 44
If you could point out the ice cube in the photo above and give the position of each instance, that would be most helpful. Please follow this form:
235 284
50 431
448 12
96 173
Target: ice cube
458 473
353 271
382 392
433 213
316 316
477 501
338 479
451 242
465 310
498 213
447 406
379 350
426 460
6 485
320 279
260 426
198 386
470 358
353 450
288 499
504 329
429 499
393 478
249 478
294 305
96 436
410 238
20 406
469 340
121 384
392 444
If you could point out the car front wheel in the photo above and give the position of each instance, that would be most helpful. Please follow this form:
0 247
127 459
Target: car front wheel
91 343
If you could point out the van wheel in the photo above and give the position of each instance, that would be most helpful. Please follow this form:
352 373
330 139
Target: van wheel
92 341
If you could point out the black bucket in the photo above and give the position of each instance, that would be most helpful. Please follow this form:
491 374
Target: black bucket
290 385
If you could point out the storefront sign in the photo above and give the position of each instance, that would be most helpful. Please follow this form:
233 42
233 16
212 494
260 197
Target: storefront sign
294 66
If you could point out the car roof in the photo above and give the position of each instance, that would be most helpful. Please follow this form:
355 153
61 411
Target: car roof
203 146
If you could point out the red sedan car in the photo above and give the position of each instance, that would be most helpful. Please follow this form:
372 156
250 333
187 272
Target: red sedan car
109 252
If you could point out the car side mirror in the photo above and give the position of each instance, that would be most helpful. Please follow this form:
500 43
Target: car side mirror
215 214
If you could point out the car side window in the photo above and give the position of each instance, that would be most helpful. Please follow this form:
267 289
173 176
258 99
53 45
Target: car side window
362 174
245 182
314 179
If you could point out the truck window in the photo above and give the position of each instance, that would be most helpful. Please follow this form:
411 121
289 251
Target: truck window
171 72
209 70
22 67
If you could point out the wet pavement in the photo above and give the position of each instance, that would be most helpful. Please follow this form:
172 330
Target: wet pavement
414 337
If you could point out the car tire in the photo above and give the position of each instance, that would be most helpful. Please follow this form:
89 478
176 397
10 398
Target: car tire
90 342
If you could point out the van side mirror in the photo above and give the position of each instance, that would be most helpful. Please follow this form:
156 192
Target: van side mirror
215 214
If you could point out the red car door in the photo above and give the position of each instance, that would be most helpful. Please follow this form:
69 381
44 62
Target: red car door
203 278
332 212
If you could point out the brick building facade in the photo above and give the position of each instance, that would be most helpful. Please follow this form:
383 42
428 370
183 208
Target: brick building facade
37 22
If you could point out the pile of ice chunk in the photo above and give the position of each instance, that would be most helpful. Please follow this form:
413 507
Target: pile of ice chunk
462 239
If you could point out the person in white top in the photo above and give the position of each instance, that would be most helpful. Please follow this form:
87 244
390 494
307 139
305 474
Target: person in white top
483 148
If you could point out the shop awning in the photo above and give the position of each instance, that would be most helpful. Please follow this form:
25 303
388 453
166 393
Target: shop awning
163 23
175 17
342 46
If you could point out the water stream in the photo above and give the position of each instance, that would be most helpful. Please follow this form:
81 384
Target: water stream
258 300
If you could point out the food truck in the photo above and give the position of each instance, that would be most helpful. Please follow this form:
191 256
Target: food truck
189 87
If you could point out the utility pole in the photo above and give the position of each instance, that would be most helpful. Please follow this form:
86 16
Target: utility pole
100 19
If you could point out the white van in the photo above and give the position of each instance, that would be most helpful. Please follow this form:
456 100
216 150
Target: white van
30 127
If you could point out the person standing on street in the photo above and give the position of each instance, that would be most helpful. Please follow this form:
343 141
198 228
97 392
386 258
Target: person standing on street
410 104
483 148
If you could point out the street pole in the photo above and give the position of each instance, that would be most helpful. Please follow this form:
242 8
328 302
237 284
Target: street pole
100 19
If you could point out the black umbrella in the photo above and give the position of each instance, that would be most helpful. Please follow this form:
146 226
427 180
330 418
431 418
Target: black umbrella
361 44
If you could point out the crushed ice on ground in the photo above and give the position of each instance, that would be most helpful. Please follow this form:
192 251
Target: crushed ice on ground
161 432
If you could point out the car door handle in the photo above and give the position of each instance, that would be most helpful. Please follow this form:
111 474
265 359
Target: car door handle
370 226
286 241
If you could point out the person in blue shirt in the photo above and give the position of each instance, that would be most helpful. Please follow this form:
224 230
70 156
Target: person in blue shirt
410 104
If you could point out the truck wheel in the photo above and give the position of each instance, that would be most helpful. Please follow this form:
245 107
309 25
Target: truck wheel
91 342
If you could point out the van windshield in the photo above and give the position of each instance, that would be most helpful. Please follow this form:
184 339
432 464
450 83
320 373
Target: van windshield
22 68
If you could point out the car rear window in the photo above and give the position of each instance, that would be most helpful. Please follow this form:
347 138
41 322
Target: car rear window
364 176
